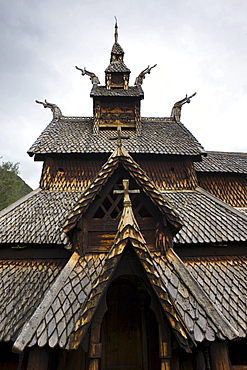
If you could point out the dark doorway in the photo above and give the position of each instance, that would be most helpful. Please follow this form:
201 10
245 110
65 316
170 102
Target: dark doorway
130 338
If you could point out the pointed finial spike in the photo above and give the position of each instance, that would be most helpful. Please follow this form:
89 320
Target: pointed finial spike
116 30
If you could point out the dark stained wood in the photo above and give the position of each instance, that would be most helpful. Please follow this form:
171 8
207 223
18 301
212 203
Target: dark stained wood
32 252
165 364
10 360
38 359
219 356
117 112
69 360
129 330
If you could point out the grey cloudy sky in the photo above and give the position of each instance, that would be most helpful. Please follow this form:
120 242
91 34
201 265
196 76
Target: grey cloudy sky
199 46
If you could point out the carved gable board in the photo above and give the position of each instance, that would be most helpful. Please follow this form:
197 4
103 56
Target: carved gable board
97 227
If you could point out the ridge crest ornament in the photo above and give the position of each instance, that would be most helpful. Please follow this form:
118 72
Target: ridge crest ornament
126 192
119 138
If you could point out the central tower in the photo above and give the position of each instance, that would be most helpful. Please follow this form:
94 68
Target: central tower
117 104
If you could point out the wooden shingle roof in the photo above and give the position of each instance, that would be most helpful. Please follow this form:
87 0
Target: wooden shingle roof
75 135
63 316
223 162
37 218
206 219
223 279
132 91
23 284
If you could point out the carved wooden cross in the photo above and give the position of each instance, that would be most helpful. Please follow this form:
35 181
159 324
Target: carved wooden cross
119 137
126 192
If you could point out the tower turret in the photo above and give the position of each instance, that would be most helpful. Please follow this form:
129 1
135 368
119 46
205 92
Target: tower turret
117 73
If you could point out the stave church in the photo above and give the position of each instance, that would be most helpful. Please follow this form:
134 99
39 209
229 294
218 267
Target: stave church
132 253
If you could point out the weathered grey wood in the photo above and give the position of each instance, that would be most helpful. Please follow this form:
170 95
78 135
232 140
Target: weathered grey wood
218 319
32 325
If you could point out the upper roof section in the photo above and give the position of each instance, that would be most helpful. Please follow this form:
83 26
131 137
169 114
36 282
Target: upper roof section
223 162
132 91
74 135
117 105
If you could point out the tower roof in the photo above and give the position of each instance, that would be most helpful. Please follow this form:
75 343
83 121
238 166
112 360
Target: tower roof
117 55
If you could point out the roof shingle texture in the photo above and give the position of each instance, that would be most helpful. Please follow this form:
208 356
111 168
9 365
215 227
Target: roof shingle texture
206 218
117 67
75 135
224 281
37 218
132 91
23 285
72 299
56 316
117 48
223 162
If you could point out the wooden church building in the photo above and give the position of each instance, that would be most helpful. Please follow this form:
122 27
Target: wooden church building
132 253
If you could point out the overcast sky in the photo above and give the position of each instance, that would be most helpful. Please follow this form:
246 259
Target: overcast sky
199 46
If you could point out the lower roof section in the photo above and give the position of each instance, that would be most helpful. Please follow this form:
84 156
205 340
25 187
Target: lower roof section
67 301
37 218
223 279
23 284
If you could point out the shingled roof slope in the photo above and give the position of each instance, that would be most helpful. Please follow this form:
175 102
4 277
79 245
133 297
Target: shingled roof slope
37 218
223 162
223 279
117 67
75 135
206 219
201 316
23 284
68 307
55 316
133 91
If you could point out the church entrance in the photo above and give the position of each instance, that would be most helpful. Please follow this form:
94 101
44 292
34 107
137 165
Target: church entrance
129 336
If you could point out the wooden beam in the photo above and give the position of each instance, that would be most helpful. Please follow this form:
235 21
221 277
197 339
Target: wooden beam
95 347
165 364
219 356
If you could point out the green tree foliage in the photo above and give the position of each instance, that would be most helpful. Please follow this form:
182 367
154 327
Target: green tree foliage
12 187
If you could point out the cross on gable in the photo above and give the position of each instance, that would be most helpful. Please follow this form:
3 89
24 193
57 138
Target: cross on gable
119 137
126 192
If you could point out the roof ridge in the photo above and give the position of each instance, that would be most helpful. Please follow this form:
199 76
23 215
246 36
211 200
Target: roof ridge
227 153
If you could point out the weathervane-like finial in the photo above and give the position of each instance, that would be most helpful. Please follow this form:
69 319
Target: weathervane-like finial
116 30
